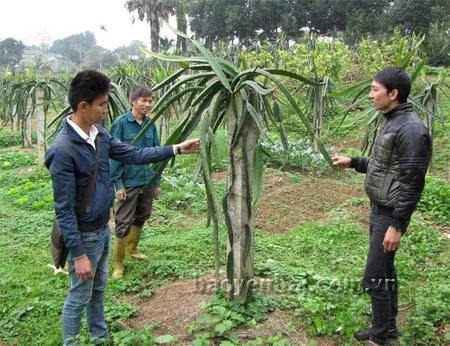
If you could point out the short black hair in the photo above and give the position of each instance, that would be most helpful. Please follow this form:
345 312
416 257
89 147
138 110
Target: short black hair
140 91
86 86
395 78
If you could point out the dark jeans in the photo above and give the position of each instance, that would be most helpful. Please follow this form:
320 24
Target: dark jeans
380 279
134 211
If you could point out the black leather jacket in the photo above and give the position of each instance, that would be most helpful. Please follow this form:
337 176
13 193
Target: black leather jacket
395 173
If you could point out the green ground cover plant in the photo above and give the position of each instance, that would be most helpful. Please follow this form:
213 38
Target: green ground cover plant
300 154
9 138
435 200
14 160
315 270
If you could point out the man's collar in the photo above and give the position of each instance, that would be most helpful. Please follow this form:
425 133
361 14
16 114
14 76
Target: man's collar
130 117
400 107
76 130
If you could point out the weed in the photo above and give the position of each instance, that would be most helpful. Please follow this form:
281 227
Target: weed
119 311
435 199
9 138
300 154
223 315
181 192
144 336
15 160
167 268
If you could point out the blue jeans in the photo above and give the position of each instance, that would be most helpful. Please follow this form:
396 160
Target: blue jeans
88 294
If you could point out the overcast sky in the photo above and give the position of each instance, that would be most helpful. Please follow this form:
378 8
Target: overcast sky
36 21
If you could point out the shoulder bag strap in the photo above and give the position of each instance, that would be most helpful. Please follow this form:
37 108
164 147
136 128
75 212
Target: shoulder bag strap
85 201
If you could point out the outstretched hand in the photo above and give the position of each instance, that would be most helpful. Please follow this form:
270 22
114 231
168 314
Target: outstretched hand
191 146
342 161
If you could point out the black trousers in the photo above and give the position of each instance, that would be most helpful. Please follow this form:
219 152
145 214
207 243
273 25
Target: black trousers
380 279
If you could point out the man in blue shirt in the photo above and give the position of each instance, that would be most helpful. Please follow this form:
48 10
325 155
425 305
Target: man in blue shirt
72 160
134 205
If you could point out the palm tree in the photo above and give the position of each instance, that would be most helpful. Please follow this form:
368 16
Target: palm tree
166 44
180 12
154 12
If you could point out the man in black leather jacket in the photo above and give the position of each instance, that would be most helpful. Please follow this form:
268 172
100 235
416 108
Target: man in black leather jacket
395 175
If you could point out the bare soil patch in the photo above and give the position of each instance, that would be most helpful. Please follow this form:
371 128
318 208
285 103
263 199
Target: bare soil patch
286 204
218 176
174 307
346 143
18 148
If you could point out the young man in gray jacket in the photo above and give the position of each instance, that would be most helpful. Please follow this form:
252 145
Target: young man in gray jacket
395 175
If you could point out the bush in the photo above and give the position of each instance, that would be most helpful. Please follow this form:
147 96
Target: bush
9 138
300 154
435 199
332 59
429 315
373 55
17 160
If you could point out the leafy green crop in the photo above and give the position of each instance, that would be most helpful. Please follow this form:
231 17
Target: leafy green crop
223 315
300 154
15 160
9 138
435 199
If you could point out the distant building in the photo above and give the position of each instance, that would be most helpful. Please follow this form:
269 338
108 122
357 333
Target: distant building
48 61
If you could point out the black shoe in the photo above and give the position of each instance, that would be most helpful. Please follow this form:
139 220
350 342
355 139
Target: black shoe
370 344
365 334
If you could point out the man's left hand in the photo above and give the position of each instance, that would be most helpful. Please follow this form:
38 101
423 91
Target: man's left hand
156 192
392 239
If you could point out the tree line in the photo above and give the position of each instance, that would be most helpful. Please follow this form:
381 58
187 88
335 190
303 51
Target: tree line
249 20
351 19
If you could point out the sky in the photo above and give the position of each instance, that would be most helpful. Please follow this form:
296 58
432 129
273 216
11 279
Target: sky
42 21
